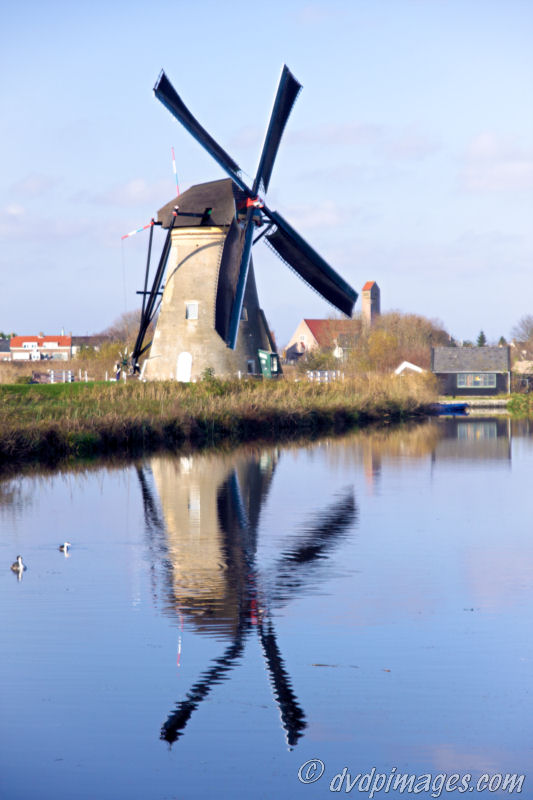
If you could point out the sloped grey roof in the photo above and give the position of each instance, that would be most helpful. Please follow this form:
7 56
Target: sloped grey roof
470 359
221 196
4 345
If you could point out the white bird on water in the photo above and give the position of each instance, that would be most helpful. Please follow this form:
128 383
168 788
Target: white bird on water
18 566
64 547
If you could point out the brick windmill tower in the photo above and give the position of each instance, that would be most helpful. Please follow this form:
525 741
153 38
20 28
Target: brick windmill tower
209 310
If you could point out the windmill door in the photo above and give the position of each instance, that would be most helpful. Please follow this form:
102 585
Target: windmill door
183 372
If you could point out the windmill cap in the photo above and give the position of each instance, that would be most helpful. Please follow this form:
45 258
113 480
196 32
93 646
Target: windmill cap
221 196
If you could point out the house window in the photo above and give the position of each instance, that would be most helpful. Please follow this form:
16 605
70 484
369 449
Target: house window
251 366
29 345
191 310
476 380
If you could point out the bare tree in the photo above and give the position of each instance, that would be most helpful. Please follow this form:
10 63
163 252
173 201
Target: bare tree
125 328
523 330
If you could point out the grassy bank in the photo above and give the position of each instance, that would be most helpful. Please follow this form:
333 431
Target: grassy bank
50 422
521 406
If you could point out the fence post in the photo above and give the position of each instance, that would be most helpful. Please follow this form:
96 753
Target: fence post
86 376
52 376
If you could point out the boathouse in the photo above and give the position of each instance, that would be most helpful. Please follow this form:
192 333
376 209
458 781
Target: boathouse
472 370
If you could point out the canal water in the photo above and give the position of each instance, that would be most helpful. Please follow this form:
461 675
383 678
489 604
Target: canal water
221 620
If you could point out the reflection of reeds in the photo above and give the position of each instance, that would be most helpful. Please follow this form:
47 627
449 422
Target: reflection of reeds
407 441
53 421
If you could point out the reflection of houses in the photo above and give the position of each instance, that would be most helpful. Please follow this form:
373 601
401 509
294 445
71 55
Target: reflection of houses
474 439
472 370
35 348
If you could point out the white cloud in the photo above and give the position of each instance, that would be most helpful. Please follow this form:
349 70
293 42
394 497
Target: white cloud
249 136
14 227
33 185
14 210
134 193
317 13
348 133
404 145
494 165
317 215
410 145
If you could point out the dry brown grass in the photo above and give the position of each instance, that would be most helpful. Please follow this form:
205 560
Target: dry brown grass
80 419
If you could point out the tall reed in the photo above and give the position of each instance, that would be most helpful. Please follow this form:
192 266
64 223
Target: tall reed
51 421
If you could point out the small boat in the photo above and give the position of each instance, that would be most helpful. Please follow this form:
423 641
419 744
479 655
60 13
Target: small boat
64 547
450 408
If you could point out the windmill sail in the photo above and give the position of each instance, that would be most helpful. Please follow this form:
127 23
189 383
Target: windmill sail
228 274
288 91
165 92
311 267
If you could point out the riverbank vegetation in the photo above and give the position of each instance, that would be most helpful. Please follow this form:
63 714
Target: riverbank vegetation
49 422
521 406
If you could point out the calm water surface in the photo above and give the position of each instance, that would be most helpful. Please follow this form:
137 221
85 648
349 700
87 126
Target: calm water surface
222 619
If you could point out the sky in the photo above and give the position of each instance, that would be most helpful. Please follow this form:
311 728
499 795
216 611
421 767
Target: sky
408 157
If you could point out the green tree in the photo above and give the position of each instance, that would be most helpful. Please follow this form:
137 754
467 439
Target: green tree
481 340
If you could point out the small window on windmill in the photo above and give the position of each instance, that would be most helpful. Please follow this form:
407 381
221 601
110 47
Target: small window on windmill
191 310
251 366
244 314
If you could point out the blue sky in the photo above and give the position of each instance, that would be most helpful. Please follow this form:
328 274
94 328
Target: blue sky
408 158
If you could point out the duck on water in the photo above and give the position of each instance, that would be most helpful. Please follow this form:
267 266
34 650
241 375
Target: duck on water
18 566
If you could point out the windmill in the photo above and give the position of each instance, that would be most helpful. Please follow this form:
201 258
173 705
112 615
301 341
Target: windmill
209 313
202 513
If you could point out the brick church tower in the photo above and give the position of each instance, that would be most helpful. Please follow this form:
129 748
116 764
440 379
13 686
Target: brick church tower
370 307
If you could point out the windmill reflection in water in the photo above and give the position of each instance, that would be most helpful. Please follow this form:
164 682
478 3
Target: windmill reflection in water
204 529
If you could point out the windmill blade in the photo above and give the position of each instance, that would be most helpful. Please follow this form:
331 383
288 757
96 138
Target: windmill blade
311 267
288 91
292 716
165 92
299 566
174 726
228 273
150 307
236 310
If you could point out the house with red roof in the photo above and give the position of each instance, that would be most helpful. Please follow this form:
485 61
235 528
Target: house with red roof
37 348
337 335
320 334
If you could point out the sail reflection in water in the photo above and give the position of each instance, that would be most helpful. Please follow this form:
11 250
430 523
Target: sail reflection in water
202 518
